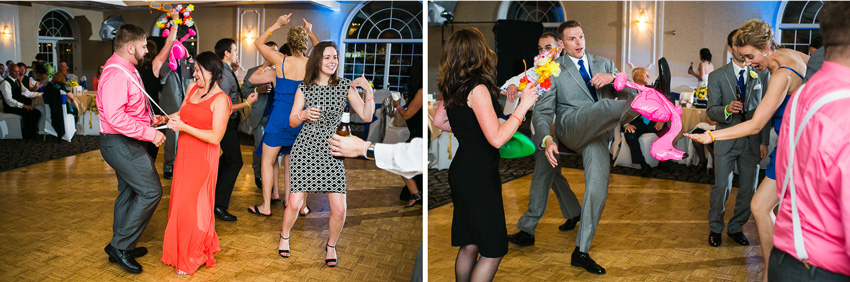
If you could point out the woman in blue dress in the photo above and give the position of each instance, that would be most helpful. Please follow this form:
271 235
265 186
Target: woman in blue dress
279 136
754 42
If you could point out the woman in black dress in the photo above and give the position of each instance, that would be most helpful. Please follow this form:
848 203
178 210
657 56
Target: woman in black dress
466 80
412 113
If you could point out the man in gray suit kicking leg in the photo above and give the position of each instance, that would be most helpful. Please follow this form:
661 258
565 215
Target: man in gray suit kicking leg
582 100
725 107
545 175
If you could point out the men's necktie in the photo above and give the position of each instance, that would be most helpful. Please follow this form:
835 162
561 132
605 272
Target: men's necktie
742 85
586 76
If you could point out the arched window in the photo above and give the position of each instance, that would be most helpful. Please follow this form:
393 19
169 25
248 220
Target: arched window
549 13
798 24
190 43
56 38
381 40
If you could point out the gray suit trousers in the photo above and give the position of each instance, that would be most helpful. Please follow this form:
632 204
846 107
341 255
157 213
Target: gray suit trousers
544 177
748 169
170 103
588 130
138 184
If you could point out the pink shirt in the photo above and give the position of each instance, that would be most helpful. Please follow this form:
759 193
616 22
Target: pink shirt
122 105
821 174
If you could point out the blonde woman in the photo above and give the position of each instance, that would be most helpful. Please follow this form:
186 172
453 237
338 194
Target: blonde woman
754 42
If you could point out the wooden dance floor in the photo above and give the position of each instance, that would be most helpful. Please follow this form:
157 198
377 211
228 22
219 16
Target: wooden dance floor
57 218
651 230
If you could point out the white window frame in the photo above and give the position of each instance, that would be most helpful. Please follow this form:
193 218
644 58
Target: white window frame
779 26
343 41
506 5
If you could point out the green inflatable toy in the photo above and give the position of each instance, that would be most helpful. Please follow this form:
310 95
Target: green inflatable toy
519 146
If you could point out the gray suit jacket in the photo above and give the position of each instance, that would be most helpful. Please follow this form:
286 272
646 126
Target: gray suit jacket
174 85
721 88
230 85
258 108
568 94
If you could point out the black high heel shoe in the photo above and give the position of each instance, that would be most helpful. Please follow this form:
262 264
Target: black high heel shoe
305 214
282 252
417 197
329 261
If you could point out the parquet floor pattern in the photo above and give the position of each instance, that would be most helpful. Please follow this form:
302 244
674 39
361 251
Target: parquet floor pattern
56 217
651 230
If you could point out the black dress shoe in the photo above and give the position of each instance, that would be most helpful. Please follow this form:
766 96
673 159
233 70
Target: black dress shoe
521 238
259 182
136 253
583 260
714 239
570 224
167 175
124 259
222 214
739 238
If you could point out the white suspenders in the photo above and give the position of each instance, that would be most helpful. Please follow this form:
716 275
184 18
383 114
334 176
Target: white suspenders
136 82
793 138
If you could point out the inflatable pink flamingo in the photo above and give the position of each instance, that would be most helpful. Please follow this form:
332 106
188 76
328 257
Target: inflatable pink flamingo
654 106
178 51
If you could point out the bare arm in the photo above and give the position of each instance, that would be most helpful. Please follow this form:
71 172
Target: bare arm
298 112
309 28
363 109
480 102
414 106
252 98
271 55
166 49
441 120
777 88
221 113
261 77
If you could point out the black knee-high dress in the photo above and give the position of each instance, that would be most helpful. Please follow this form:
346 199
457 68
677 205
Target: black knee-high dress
479 216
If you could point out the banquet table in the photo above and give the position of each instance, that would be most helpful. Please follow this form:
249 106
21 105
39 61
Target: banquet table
690 118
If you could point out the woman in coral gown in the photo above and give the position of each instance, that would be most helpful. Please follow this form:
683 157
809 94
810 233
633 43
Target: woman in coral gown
190 239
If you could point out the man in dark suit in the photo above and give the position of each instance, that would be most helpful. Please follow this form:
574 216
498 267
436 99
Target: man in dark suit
582 100
230 161
725 108
259 118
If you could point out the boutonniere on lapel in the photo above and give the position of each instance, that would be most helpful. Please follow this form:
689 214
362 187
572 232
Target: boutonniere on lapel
754 75
545 67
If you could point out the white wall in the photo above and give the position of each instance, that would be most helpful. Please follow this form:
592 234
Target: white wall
10 48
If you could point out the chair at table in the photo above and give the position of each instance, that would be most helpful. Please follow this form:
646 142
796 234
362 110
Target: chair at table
68 121
10 125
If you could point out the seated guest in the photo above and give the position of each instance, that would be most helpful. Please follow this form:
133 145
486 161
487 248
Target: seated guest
63 68
640 125
53 98
96 77
699 147
18 100
28 81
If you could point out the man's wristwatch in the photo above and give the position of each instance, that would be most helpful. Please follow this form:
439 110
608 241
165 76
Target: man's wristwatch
370 152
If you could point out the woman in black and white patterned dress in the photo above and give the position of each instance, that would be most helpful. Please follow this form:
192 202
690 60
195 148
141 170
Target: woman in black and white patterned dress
320 100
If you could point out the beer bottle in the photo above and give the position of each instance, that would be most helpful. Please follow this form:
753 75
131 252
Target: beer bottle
344 128
739 95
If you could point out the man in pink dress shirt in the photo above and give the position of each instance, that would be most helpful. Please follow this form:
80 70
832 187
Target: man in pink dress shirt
126 123
813 170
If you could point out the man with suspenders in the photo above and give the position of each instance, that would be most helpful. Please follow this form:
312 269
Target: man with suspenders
813 166
126 121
